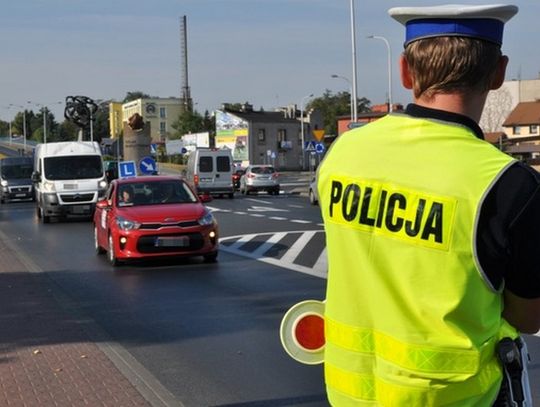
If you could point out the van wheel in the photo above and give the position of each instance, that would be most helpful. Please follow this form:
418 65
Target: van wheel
44 218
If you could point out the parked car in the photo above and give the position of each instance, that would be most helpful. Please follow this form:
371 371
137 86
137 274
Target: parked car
313 194
154 216
237 174
260 178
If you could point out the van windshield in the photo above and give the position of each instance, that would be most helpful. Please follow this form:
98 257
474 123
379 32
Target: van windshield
73 167
23 171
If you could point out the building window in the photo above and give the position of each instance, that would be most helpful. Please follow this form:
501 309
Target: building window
261 136
162 112
281 135
162 127
533 129
517 130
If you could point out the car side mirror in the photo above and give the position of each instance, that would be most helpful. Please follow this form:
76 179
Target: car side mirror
103 204
35 177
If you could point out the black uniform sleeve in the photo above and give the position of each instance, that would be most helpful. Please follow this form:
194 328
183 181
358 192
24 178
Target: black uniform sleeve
508 239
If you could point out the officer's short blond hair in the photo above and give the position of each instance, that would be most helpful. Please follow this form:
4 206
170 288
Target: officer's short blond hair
451 65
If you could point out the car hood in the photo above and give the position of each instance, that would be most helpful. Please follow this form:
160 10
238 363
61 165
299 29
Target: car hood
13 182
163 213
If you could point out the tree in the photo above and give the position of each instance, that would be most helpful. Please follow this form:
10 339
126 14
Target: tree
188 122
67 131
134 95
496 110
332 106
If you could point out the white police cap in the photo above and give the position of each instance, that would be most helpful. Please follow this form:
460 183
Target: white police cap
484 22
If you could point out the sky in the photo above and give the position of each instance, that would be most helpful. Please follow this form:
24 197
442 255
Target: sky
269 53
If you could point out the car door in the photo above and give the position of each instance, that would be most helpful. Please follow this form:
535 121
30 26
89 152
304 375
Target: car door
104 216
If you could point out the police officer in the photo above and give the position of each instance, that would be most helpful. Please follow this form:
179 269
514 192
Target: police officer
432 233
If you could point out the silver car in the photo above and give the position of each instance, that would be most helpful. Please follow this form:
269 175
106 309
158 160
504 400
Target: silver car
260 178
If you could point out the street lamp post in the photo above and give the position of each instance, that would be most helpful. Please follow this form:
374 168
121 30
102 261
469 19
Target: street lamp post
44 111
353 44
350 90
302 129
378 37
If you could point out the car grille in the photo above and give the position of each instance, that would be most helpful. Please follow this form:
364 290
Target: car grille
77 197
155 226
20 189
146 244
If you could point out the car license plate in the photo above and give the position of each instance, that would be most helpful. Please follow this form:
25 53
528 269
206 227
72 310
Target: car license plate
20 195
172 241
206 179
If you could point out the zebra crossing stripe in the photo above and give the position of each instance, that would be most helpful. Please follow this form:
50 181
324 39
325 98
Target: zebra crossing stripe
297 247
276 237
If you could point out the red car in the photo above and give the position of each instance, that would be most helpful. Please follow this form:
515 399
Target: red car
154 216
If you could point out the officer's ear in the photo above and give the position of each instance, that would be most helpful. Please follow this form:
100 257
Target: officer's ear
405 73
500 73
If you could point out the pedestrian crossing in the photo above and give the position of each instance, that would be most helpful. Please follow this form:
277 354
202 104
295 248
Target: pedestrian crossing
302 251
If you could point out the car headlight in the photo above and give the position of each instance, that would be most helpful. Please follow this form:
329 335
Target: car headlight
48 187
207 219
102 184
4 183
126 224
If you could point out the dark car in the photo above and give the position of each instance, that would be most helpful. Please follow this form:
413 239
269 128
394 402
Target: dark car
15 179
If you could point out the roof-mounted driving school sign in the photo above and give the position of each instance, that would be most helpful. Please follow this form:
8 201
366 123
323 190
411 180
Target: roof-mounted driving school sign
127 169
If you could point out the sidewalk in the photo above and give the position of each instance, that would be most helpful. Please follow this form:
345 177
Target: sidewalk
46 356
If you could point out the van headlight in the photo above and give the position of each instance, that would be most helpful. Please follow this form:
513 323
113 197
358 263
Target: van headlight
4 183
207 219
126 224
48 187
102 184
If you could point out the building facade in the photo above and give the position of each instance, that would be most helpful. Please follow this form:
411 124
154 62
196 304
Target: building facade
259 137
161 113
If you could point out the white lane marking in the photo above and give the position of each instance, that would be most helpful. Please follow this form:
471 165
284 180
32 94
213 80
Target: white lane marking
257 215
214 209
268 244
322 261
300 221
265 209
296 206
319 270
277 218
297 247
259 200
240 213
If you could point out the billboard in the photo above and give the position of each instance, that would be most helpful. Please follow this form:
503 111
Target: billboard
232 132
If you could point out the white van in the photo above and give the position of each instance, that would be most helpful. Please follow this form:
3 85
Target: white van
210 171
69 178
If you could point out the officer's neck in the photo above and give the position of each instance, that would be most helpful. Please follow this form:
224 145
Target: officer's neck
470 104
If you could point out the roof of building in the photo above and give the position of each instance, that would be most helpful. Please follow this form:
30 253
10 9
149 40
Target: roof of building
524 113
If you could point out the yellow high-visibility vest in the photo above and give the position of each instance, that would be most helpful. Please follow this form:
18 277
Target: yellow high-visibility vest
411 319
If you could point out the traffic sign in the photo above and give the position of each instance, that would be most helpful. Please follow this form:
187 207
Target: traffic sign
309 146
318 134
153 149
302 332
127 169
319 148
147 166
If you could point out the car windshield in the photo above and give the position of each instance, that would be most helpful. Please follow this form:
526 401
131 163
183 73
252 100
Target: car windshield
262 170
73 167
17 171
154 193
